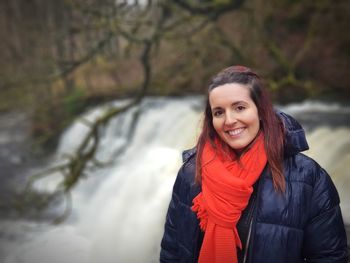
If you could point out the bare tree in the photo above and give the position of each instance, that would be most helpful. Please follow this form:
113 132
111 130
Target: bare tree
141 27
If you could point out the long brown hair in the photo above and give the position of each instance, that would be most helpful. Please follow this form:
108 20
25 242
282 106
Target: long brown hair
270 123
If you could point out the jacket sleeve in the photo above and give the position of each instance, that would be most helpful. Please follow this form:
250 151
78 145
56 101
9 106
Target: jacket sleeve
324 235
169 245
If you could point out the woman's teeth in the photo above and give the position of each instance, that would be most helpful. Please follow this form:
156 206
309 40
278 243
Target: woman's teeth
235 131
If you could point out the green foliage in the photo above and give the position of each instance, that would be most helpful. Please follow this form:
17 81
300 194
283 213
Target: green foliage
220 2
73 103
53 114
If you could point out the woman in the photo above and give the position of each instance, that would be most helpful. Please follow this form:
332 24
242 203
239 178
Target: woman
246 193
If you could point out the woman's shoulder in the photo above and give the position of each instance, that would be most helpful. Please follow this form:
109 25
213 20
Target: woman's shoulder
188 168
303 161
303 167
189 154
185 186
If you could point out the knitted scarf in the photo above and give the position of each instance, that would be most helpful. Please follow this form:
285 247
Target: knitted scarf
226 189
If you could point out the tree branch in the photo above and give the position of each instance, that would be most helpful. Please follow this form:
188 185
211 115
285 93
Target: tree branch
213 9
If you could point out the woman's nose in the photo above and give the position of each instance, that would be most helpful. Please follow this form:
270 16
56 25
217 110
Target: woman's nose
230 119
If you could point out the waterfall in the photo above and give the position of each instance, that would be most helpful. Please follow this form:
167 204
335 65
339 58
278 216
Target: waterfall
119 210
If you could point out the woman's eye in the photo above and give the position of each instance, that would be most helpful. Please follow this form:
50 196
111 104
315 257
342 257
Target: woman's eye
240 108
217 113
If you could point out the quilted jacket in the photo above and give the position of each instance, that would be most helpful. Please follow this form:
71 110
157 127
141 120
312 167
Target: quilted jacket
303 225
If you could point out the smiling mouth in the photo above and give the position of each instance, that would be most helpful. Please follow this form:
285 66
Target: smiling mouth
235 132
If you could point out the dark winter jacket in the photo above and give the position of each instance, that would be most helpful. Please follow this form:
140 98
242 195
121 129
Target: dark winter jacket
304 225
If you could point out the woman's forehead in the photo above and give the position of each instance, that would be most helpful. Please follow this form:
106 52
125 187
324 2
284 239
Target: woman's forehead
229 93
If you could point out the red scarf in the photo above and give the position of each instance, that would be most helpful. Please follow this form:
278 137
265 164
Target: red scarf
226 189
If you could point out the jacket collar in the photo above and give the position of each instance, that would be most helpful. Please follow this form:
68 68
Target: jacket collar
294 137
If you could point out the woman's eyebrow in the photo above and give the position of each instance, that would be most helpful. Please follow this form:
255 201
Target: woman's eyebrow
232 104
216 108
239 102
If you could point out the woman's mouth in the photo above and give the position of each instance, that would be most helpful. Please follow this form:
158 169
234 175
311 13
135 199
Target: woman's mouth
235 132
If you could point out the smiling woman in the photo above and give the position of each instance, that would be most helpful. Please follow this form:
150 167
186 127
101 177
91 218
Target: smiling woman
246 185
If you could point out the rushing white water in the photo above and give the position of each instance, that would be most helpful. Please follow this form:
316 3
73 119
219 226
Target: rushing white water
119 210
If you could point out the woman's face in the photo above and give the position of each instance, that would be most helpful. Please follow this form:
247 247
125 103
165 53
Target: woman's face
235 115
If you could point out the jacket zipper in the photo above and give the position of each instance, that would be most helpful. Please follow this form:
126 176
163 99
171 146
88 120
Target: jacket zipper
252 218
247 244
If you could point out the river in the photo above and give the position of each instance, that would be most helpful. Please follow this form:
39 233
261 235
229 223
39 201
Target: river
119 210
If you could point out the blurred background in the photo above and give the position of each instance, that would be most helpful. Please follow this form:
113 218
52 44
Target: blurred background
100 97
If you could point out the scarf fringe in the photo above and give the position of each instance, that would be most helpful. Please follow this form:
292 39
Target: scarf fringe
202 215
